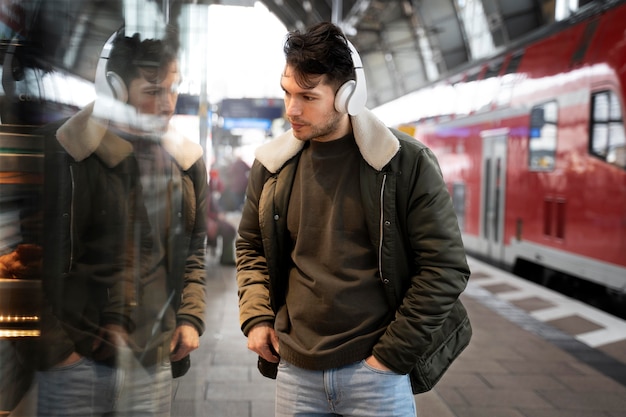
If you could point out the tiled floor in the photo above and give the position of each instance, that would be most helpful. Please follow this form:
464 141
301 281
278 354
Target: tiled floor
525 359
534 353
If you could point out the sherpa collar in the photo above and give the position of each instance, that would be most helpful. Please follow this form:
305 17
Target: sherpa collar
376 143
83 135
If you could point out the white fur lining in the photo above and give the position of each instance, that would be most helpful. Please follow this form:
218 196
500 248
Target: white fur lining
83 135
376 143
184 151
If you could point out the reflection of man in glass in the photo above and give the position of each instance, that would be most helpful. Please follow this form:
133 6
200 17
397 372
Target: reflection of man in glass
124 243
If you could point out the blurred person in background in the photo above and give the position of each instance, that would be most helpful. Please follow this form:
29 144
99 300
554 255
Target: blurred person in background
235 183
124 242
218 225
350 261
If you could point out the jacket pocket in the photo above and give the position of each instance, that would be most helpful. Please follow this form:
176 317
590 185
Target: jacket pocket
448 343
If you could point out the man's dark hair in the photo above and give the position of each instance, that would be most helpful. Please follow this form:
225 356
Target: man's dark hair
131 58
321 50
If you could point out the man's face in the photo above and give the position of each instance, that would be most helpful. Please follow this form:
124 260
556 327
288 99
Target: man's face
157 97
311 112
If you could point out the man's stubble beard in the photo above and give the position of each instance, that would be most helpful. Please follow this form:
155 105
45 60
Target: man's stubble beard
326 131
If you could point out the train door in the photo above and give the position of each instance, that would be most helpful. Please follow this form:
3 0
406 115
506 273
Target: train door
493 186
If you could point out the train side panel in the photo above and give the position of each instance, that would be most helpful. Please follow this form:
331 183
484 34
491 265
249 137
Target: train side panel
539 174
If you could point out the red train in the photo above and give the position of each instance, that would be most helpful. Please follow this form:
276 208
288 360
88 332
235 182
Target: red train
532 146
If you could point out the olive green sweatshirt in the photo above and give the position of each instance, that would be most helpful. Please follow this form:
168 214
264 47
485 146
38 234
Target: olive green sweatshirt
335 308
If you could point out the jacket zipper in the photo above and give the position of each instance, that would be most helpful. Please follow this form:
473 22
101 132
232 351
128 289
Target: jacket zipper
72 219
381 228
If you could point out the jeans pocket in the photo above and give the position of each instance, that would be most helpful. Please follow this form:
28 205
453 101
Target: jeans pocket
60 368
370 368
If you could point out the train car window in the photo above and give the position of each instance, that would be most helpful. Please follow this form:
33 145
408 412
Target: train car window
493 69
607 140
472 77
513 63
542 137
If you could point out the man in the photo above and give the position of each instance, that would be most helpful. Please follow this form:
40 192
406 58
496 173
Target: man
349 257
217 224
125 231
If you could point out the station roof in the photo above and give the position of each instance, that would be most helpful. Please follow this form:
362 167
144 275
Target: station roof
404 44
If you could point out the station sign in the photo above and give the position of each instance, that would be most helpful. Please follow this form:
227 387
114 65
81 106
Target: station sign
252 108
247 123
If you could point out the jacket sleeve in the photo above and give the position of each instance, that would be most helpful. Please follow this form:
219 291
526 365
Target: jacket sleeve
431 248
193 299
54 344
252 267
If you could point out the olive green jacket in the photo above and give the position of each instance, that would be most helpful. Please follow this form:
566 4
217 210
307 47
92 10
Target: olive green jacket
412 225
90 250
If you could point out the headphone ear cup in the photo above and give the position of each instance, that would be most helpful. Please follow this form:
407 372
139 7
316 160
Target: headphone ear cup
358 98
342 98
117 86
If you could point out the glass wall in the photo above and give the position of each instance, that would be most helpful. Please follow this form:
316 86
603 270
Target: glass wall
90 193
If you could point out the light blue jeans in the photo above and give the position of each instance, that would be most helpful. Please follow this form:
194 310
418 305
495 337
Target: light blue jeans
89 389
355 390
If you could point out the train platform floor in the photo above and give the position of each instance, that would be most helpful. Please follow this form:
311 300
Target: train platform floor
534 353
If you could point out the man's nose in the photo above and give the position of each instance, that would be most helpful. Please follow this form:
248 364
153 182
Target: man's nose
293 107
167 101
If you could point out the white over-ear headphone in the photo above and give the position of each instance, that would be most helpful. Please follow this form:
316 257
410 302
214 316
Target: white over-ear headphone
112 99
109 83
352 95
